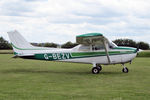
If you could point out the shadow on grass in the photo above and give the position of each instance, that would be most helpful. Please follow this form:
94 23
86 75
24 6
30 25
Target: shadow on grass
111 73
35 71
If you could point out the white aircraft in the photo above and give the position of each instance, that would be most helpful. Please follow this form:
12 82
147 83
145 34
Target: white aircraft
93 48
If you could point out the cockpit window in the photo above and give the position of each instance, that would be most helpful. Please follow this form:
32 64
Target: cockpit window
98 47
95 47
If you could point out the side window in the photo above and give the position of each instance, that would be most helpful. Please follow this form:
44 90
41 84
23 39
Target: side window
97 47
84 48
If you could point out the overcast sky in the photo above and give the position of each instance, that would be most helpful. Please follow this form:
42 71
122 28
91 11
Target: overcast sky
60 21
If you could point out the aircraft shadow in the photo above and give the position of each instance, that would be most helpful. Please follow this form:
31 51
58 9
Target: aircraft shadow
26 71
34 71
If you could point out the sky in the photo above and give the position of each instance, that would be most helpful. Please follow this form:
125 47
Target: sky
60 21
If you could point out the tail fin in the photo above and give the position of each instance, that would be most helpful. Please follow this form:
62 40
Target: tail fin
23 48
18 42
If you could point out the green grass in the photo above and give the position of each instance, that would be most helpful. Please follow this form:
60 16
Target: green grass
145 53
22 79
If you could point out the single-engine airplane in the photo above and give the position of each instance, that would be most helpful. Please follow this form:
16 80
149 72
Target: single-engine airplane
93 48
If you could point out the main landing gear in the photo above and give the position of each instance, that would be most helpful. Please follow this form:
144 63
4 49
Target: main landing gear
125 69
96 68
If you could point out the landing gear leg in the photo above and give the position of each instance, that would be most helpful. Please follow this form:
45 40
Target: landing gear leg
99 67
96 68
125 69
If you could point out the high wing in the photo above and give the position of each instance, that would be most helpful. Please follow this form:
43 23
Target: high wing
94 39
91 39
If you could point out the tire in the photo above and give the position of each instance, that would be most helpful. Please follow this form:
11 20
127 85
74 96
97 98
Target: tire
125 70
95 70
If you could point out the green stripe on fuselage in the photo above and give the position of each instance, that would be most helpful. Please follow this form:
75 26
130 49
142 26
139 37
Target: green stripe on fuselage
73 55
27 48
124 48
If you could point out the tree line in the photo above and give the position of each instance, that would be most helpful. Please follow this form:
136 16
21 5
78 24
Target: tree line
132 43
4 44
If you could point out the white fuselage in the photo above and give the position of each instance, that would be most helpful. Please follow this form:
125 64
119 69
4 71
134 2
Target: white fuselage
84 56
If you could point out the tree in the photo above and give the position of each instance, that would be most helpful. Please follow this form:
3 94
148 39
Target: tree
4 44
131 43
41 44
125 42
143 45
69 45
50 45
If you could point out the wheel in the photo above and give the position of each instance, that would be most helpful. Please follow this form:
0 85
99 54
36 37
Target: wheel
125 70
95 70
99 67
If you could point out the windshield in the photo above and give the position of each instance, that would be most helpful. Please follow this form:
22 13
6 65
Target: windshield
112 45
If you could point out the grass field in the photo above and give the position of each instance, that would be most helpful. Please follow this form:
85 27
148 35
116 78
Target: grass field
22 79
145 53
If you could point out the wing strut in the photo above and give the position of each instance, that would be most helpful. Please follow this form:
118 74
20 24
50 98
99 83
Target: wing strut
106 50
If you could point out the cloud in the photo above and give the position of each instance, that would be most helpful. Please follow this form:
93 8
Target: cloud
61 20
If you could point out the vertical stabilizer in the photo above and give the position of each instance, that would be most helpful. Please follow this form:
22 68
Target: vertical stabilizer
18 42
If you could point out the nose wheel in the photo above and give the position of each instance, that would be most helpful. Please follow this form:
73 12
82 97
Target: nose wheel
97 69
